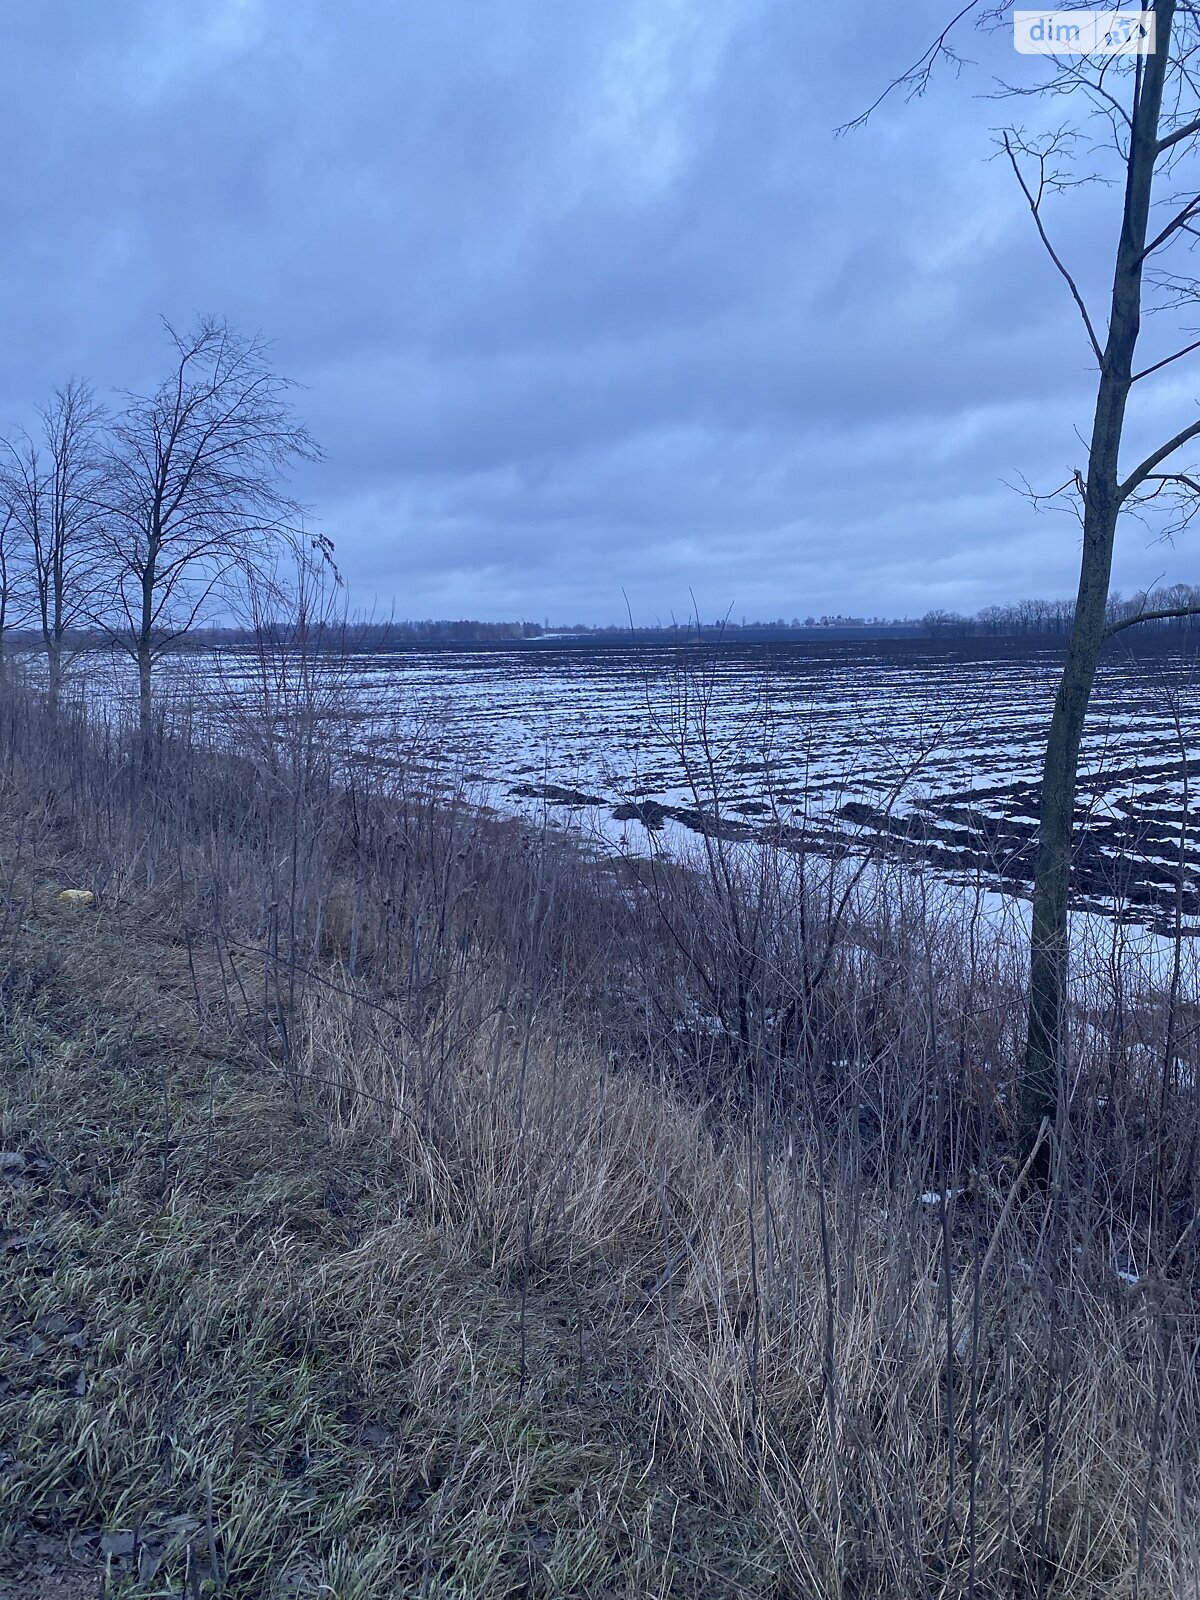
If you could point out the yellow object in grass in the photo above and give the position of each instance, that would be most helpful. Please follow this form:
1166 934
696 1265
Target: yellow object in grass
77 897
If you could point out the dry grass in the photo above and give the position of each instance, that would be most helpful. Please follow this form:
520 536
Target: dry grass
233 1364
423 1210
912 1423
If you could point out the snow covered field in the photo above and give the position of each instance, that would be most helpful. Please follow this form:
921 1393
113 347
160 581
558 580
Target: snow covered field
917 750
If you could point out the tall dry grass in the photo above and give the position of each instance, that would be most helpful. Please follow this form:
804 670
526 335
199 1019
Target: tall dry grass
753 1127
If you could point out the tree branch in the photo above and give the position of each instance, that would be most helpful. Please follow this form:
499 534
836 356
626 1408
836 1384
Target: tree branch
1166 361
1035 202
1151 616
916 79
1171 139
1171 477
1139 475
1179 220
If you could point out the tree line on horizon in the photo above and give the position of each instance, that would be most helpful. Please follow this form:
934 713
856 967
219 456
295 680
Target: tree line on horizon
1055 618
1020 619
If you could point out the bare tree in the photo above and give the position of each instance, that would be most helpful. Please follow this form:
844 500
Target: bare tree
10 589
1147 110
52 486
197 498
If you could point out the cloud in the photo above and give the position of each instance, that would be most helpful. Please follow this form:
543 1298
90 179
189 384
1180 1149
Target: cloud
585 299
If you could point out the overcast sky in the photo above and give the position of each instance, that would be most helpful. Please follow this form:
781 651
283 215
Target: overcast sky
585 295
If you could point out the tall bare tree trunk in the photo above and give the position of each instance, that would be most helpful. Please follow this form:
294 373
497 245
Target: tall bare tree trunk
145 708
1049 948
53 670
145 662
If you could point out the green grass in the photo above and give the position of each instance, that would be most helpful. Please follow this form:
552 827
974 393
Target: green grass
231 1365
